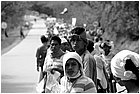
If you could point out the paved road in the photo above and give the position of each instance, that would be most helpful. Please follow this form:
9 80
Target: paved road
18 66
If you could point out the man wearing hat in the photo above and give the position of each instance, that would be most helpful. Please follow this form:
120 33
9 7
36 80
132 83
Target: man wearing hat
79 44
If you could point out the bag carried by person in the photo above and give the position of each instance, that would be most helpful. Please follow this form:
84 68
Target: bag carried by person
40 86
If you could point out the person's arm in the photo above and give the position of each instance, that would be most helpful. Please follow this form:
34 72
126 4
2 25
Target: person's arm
86 63
37 58
89 66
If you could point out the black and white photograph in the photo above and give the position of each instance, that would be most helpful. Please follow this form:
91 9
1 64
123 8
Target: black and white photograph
69 46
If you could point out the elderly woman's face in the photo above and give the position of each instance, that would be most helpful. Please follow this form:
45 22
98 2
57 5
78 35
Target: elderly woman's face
72 67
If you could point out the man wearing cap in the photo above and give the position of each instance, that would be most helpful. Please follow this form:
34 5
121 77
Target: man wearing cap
79 44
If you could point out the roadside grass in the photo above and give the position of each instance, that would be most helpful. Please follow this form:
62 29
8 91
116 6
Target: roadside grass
13 39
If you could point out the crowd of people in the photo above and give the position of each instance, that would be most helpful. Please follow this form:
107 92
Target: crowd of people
81 61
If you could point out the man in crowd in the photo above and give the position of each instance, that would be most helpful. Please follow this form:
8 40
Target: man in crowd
65 46
41 54
53 61
79 44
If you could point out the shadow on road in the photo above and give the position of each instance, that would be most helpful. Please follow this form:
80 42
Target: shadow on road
20 87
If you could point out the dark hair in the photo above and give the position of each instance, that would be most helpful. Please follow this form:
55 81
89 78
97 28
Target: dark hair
56 38
90 45
105 47
131 66
78 30
99 24
44 39
103 30
101 39
96 39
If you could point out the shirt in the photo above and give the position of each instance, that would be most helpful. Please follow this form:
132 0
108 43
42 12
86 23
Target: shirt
81 85
49 64
41 54
100 71
89 66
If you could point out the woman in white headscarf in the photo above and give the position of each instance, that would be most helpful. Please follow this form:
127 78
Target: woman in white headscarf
125 68
74 80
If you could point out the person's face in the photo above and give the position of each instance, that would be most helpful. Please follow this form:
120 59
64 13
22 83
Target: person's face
77 43
54 46
72 67
65 46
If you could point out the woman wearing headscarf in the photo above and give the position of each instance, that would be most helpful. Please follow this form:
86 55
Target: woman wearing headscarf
125 69
74 80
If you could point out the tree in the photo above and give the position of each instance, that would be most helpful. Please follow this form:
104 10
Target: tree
12 12
42 9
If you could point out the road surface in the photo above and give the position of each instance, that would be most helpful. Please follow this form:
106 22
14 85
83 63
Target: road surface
18 66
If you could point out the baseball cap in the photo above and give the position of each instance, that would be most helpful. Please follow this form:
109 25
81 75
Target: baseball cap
79 32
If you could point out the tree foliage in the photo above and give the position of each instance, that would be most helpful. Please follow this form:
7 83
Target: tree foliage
12 12
42 9
121 17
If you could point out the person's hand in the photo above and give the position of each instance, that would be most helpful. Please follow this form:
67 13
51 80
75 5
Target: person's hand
38 69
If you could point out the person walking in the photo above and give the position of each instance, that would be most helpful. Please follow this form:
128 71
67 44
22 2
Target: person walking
74 79
102 78
21 32
79 44
4 28
53 61
107 54
41 54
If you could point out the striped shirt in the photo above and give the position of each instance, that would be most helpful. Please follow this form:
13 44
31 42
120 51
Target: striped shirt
81 85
